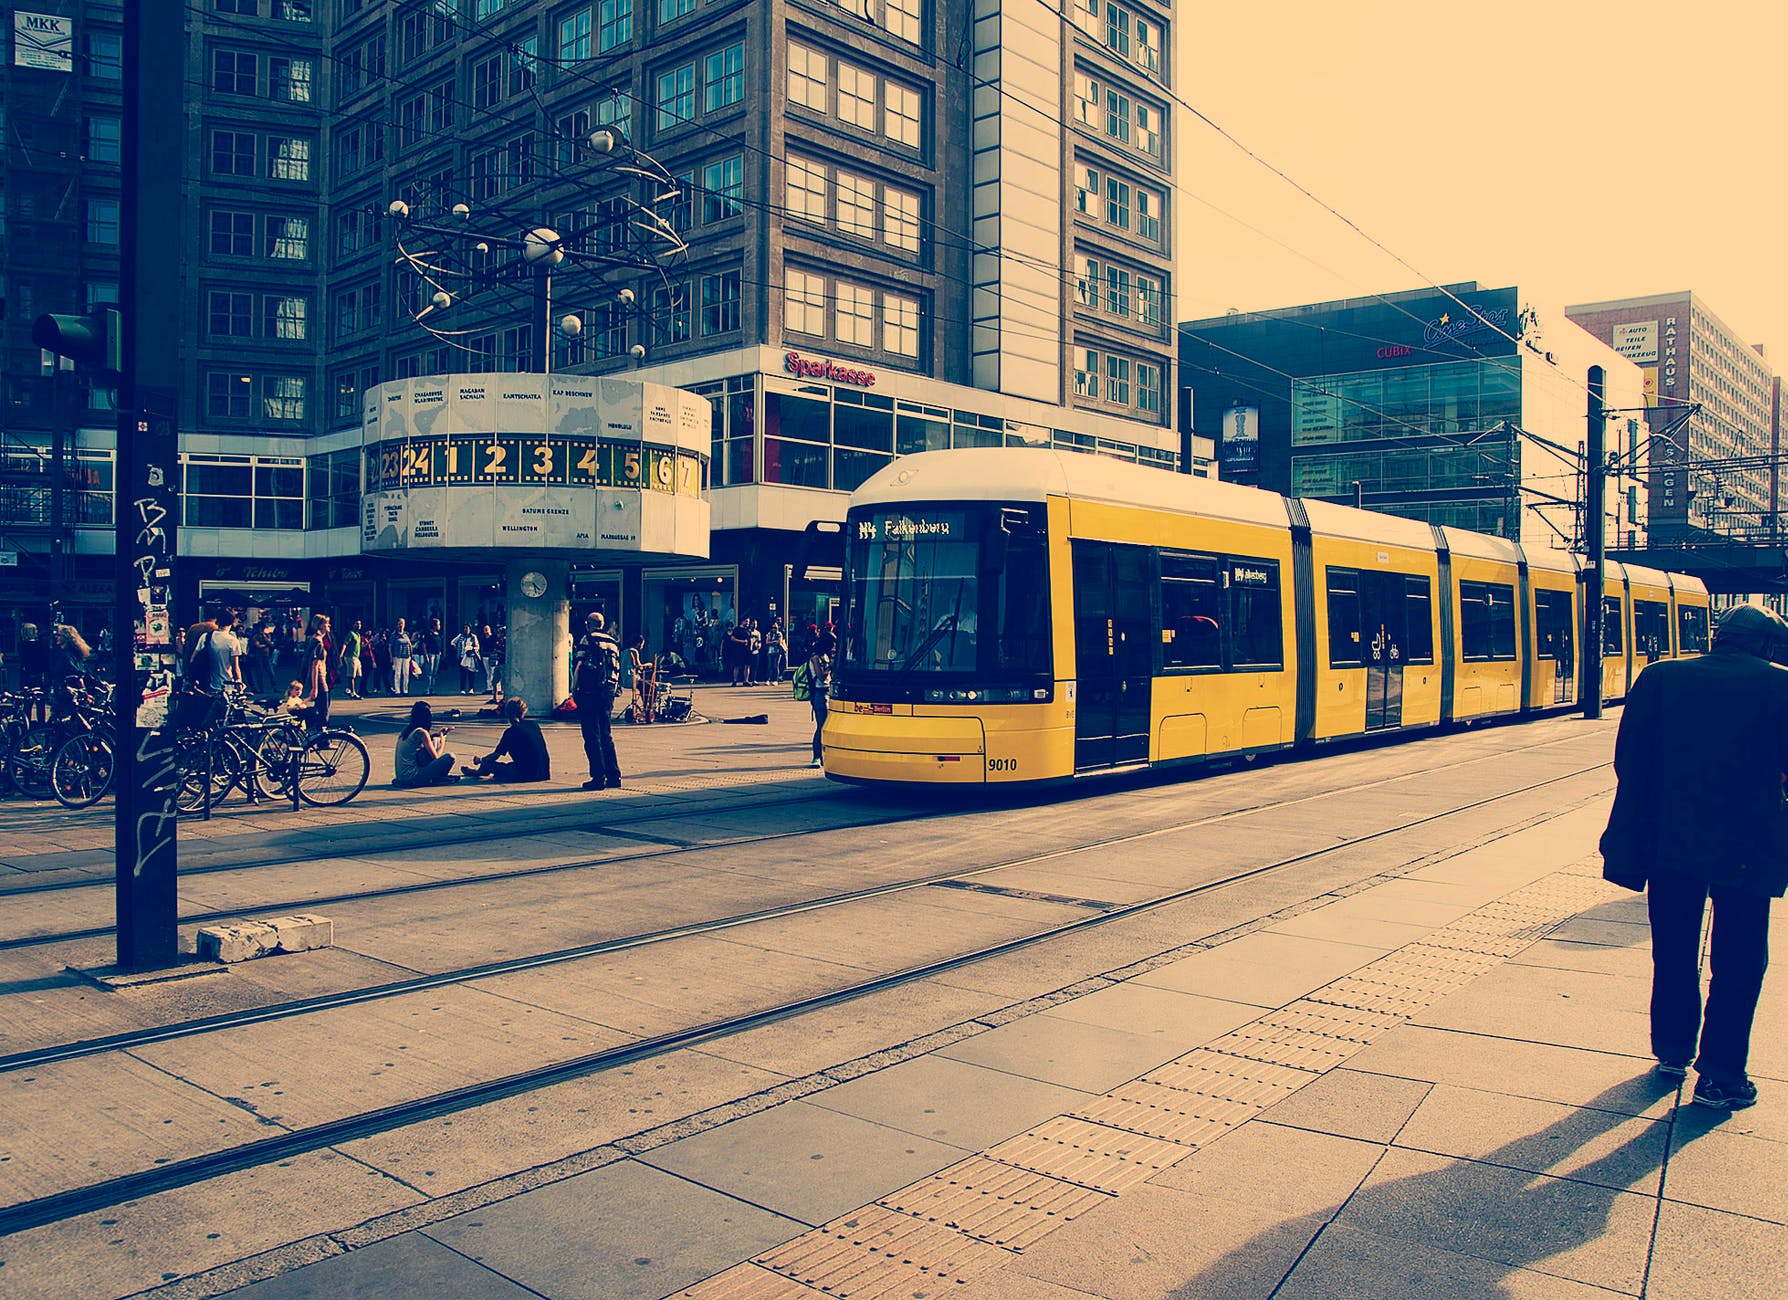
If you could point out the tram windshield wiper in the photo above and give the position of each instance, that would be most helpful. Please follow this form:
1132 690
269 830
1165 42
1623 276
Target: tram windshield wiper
945 624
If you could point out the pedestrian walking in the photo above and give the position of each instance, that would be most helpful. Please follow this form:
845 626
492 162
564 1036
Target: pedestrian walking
350 660
818 679
433 643
375 662
596 676
1699 814
403 659
465 650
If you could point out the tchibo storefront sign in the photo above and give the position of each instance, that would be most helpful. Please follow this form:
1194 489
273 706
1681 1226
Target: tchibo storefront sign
534 462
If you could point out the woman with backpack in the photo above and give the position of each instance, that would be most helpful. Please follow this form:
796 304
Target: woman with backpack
816 679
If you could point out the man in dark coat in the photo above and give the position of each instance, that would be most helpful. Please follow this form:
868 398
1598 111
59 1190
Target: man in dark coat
595 677
1699 813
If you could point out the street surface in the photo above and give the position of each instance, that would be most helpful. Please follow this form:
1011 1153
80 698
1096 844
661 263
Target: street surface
1363 1024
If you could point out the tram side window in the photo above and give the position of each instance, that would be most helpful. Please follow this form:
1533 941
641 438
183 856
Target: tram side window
1486 621
1256 619
1553 634
1418 604
1191 612
1691 627
1345 645
1651 628
1614 641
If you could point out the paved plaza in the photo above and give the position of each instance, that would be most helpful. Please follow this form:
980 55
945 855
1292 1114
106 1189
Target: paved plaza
1412 1063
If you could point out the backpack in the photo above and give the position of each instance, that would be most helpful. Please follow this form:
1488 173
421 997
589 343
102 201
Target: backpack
803 683
601 669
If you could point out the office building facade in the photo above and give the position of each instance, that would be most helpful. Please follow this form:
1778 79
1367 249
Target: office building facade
1457 405
908 224
1712 409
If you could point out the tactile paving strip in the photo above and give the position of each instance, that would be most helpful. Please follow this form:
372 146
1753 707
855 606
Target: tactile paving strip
881 1252
924 1239
995 1202
1093 1155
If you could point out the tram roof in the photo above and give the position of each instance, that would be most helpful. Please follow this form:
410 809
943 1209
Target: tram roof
1036 474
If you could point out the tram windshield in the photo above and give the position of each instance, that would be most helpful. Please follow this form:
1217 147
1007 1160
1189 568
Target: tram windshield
951 591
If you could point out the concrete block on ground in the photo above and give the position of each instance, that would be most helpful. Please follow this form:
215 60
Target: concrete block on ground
242 941
303 932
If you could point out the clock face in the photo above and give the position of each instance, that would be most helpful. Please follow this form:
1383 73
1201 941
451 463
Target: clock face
533 585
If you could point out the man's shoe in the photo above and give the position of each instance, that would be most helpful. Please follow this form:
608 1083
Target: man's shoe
595 785
1673 1069
818 762
1725 1094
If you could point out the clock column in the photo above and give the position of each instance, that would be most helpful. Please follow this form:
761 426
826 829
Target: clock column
538 663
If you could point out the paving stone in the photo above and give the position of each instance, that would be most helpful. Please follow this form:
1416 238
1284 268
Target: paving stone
1179 1020
1272 1167
1718 1170
1571 1229
1703 1254
964 1105
1090 1058
407 1264
1346 1262
804 1162
623 1232
1347 1103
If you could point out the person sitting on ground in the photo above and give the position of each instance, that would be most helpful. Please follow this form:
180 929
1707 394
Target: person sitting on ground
522 742
422 757
294 697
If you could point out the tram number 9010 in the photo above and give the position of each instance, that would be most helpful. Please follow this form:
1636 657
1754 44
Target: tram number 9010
1002 765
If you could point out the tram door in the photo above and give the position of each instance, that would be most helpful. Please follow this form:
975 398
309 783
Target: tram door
1384 619
1114 653
1555 642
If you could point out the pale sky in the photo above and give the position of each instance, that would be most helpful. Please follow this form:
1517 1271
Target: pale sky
1579 148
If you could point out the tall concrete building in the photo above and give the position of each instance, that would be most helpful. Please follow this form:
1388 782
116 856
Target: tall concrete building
1712 406
910 224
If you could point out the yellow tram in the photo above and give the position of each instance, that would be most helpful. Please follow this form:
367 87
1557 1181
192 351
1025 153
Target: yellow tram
1016 615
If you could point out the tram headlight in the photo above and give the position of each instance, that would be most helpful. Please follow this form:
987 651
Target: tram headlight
985 695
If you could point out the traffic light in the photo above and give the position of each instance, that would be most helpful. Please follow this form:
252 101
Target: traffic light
94 342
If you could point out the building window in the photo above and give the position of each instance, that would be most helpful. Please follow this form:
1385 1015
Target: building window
1148 130
1117 203
288 238
487 82
614 24
1148 216
804 302
855 315
1086 372
723 184
900 219
807 77
1117 116
676 96
1117 290
720 303
574 36
524 56
230 315
1087 188
288 159
723 78
1117 30
1148 301
105 56
856 205
901 18
289 80
283 317
900 324
1148 46
806 190
232 234
282 397
856 96
229 396
671 10
670 313
902 104
1148 387
1117 380
104 139
234 72
102 221
1089 275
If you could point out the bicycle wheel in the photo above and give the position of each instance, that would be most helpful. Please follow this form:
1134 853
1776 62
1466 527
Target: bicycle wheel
332 769
206 769
81 773
273 761
32 753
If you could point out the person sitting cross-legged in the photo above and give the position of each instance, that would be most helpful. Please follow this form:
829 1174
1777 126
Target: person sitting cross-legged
422 757
524 746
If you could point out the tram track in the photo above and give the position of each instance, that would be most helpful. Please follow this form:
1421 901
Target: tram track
671 848
183 1172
